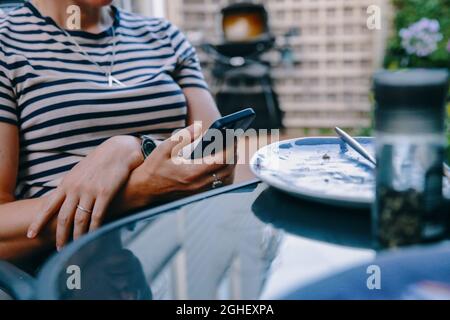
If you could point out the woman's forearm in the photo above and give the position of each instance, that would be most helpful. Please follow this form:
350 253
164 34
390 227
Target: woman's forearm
15 218
136 192
134 195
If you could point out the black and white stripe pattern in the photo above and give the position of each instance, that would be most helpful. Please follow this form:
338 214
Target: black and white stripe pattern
61 101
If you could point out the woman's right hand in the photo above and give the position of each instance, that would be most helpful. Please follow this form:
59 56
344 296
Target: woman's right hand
166 176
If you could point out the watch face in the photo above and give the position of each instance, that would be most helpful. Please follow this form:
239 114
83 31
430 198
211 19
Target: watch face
148 146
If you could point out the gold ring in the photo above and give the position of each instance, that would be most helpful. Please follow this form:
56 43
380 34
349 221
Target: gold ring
84 209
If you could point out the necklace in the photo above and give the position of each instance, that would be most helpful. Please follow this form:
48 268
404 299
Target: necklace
111 80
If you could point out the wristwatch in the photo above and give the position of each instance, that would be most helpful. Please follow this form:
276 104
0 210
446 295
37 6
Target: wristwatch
148 145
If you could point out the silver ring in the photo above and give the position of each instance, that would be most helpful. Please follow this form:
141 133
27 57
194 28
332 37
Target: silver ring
217 182
84 209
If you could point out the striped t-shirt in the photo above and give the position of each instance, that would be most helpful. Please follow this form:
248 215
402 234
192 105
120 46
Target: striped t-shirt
61 101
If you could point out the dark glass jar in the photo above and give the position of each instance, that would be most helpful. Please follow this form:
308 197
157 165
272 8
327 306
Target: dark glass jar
410 145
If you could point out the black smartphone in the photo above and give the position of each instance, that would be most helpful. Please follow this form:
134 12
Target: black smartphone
237 121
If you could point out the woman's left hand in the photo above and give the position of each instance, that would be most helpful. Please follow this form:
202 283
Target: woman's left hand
82 199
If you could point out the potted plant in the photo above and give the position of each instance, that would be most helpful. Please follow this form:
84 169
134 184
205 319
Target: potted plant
421 38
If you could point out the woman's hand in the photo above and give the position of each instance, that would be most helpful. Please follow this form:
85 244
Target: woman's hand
83 197
165 176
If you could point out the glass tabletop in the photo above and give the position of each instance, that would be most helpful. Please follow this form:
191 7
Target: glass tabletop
248 242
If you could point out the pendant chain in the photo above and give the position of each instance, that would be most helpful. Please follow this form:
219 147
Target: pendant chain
108 74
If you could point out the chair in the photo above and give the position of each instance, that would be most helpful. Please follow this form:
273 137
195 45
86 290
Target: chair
15 283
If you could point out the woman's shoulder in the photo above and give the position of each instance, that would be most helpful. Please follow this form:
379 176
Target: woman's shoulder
14 20
14 16
156 25
9 21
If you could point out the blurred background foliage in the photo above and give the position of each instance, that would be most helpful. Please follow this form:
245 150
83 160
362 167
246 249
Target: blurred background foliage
407 13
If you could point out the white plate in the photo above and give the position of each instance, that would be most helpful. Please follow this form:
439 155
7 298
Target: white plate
320 169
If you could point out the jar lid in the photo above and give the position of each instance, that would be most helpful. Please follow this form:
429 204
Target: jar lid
411 100
413 88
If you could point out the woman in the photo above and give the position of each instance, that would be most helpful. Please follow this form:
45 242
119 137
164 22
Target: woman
73 105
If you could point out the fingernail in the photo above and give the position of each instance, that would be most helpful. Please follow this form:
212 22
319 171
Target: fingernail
31 234
58 248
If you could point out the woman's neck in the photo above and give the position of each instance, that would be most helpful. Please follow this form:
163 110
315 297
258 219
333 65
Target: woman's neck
92 19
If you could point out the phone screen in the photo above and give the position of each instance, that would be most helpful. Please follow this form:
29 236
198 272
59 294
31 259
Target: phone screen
234 124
